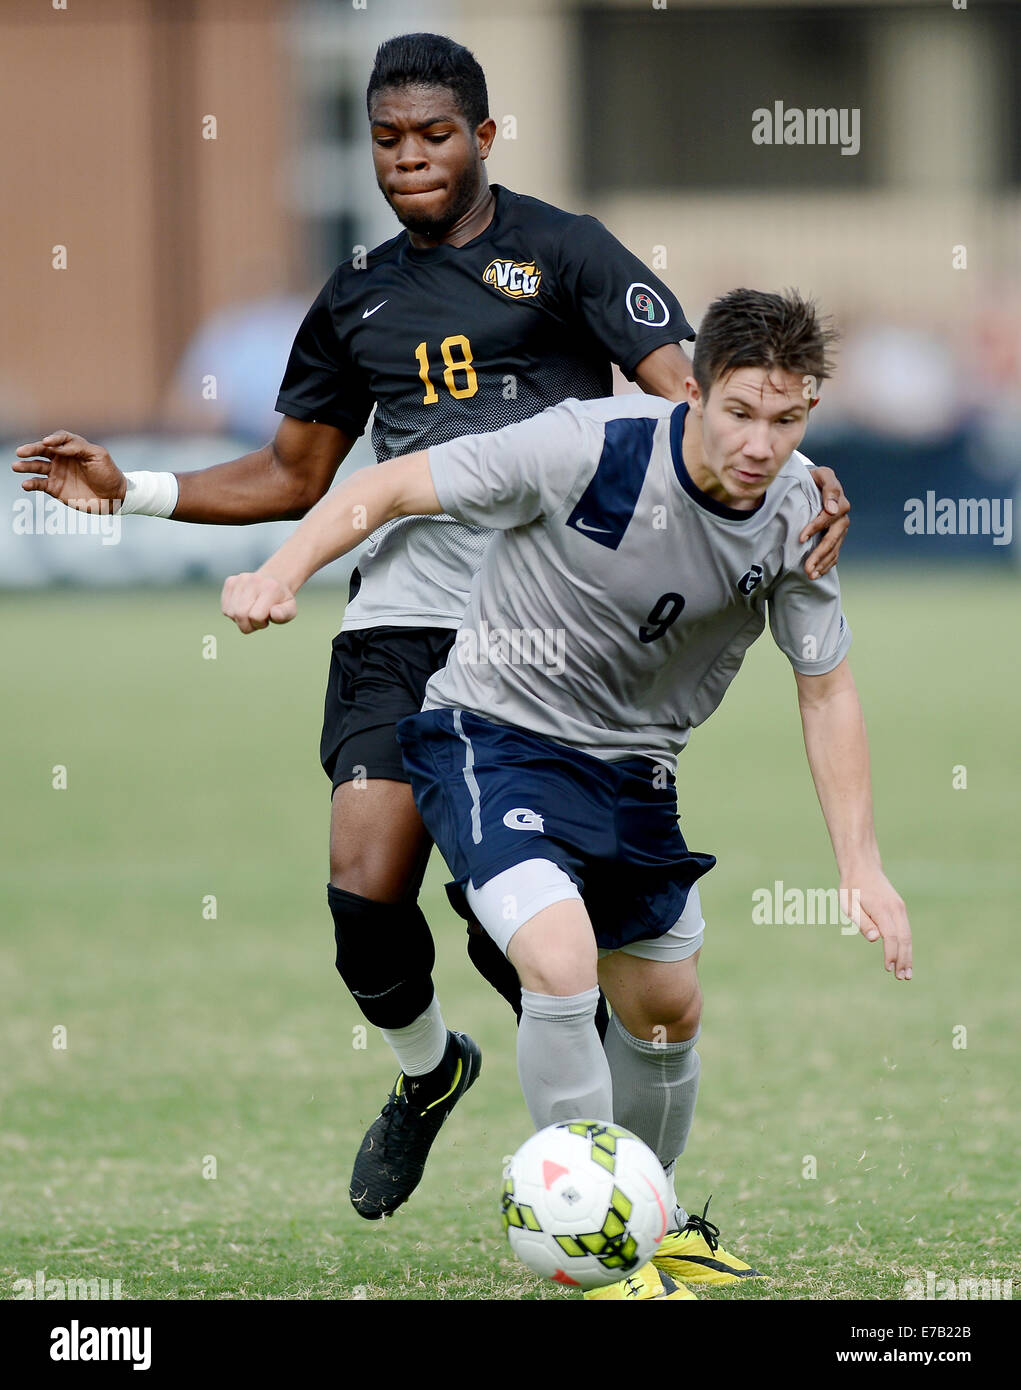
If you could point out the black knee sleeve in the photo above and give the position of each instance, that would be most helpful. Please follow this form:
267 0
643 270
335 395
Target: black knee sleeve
494 967
385 956
485 954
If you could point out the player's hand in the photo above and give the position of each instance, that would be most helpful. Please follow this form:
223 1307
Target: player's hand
832 521
877 909
75 472
254 601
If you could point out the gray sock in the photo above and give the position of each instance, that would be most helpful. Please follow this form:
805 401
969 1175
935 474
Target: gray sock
563 1069
680 1215
654 1089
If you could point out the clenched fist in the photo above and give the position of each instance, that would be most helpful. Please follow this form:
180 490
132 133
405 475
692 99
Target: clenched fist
254 601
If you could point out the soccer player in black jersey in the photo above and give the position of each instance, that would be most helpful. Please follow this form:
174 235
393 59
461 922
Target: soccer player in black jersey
487 308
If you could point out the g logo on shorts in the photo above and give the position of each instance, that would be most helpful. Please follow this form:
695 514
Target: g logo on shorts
521 818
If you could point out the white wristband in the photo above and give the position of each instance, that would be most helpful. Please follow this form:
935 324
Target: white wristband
149 494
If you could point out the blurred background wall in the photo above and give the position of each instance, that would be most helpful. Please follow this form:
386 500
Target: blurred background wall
205 163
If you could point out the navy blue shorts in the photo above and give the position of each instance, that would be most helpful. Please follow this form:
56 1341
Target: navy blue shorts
492 796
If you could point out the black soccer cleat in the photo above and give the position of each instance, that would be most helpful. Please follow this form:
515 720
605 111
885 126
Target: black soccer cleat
391 1160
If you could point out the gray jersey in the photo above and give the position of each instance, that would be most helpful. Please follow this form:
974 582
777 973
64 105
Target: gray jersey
616 601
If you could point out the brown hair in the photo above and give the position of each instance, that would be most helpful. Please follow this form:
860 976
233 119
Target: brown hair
750 328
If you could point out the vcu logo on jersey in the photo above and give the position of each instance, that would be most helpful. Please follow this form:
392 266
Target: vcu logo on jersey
515 279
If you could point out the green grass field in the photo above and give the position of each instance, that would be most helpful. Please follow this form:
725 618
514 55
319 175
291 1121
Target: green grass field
191 1038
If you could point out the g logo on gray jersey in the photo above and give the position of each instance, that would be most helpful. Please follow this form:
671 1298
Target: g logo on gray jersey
750 581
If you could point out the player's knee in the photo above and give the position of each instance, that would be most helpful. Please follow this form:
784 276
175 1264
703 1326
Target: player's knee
561 977
374 865
377 876
361 870
687 1017
555 952
385 956
670 1016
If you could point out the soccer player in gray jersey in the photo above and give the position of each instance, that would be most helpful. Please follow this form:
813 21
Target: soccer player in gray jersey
640 547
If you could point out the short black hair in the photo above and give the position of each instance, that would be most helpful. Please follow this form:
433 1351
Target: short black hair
751 328
431 60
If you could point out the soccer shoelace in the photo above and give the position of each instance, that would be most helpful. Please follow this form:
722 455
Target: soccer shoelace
402 1137
709 1233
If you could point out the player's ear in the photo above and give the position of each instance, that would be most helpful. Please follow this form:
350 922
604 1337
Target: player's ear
485 134
693 394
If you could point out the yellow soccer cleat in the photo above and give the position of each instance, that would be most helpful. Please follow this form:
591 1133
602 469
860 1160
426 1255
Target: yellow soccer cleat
646 1282
695 1253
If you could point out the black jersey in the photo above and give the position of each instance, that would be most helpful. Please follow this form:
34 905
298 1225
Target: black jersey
451 341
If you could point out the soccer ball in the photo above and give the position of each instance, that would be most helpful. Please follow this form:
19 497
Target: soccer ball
585 1203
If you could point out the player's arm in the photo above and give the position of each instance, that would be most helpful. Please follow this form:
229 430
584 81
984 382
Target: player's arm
838 755
278 482
664 371
289 475
502 478
399 487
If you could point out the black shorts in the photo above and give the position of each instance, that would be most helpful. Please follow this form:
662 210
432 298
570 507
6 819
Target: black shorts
377 676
